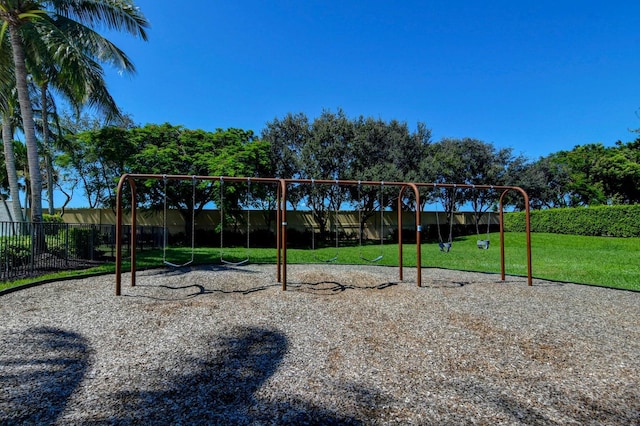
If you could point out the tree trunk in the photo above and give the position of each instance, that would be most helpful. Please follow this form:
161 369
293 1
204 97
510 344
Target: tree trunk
45 143
28 124
10 163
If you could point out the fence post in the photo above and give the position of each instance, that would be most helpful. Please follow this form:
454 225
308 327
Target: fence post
66 243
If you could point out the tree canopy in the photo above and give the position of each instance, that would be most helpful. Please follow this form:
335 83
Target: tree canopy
587 175
101 156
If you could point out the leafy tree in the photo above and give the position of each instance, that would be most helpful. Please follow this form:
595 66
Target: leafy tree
583 187
408 155
91 155
619 172
372 160
98 158
484 165
447 163
472 162
166 150
242 154
590 174
383 151
326 156
545 181
286 138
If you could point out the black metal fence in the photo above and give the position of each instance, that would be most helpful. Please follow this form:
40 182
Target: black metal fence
32 249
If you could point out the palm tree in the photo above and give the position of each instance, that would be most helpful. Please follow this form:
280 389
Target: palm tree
45 24
8 99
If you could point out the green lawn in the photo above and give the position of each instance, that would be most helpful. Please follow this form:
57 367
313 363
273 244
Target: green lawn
610 262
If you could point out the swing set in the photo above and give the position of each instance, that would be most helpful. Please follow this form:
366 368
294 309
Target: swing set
483 244
333 221
165 230
222 226
445 245
361 225
281 220
361 231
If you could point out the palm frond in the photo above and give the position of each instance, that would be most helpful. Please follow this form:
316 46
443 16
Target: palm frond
119 15
93 44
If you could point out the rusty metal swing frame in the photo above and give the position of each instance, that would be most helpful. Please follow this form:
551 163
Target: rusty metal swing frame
281 218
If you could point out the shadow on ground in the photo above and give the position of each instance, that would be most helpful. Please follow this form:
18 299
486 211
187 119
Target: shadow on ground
40 368
221 388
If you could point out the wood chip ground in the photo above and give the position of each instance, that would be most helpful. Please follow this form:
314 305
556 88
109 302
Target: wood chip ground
343 345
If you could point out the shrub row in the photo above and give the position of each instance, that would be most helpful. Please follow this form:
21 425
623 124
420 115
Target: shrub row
62 242
609 221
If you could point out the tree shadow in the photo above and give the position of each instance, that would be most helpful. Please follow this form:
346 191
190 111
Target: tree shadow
331 287
221 389
39 370
203 285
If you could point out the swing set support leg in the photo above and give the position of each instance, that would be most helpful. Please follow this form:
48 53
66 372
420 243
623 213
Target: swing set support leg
283 233
132 234
416 192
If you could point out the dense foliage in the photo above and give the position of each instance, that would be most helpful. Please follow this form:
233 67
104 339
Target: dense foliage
609 221
333 146
101 156
588 175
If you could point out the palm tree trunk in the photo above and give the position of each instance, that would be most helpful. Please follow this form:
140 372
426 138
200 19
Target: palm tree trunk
45 143
10 163
28 124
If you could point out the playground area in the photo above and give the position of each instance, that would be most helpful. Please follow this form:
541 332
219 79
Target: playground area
343 345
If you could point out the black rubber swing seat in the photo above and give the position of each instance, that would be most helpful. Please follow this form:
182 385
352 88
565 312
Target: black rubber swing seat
483 244
445 247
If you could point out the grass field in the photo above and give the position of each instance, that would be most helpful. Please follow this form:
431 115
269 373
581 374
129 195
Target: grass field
609 262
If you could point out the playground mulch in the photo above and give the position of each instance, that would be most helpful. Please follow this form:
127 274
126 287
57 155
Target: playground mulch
343 345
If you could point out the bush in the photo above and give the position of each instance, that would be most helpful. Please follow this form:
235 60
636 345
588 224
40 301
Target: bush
52 218
15 255
609 221
83 242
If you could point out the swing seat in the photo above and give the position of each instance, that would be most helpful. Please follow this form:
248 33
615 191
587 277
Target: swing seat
229 263
483 244
176 265
333 259
377 259
445 247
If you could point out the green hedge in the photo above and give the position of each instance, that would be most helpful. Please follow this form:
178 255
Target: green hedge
609 221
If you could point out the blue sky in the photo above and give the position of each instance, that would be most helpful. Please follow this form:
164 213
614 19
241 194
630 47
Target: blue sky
536 76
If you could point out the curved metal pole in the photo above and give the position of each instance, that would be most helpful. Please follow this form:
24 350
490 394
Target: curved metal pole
400 260
134 233
283 232
502 254
278 232
527 216
418 234
527 219
124 178
119 234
